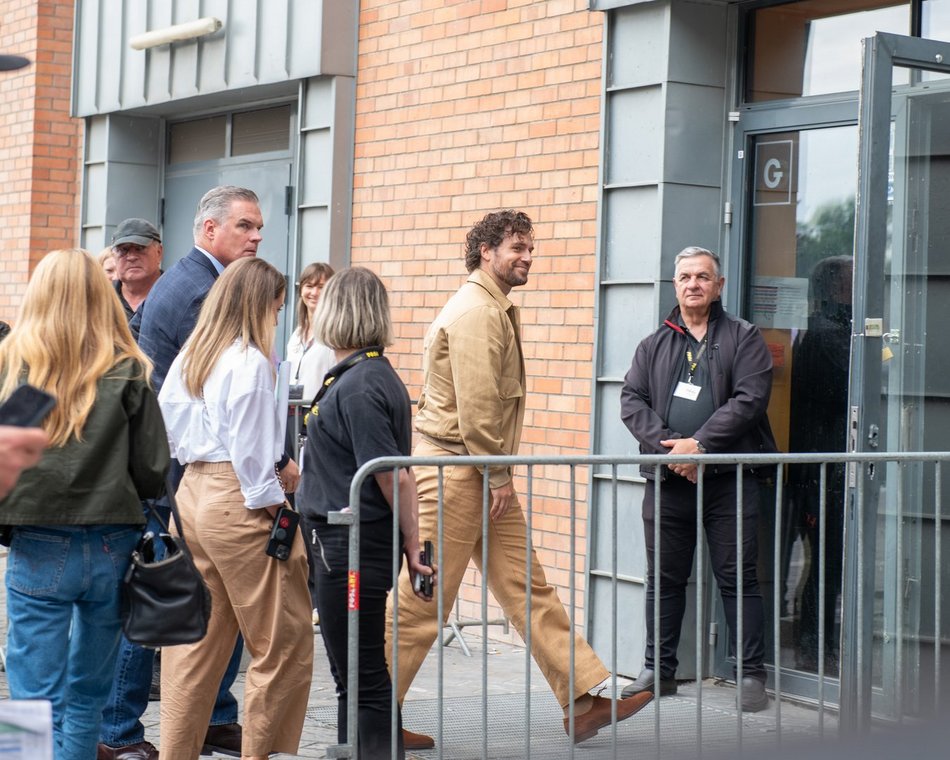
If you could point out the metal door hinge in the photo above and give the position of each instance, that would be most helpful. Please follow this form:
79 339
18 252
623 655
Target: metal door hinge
727 213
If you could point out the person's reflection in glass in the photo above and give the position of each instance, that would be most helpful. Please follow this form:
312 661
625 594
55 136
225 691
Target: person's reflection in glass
819 414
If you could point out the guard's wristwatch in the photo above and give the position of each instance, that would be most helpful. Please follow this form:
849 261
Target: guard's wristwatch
699 445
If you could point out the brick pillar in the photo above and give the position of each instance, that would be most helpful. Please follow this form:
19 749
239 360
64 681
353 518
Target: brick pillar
40 144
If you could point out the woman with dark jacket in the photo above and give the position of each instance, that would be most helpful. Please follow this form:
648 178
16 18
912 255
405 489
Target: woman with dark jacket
77 515
361 413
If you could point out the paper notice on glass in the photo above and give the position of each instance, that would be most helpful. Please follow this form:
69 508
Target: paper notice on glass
26 729
780 302
283 398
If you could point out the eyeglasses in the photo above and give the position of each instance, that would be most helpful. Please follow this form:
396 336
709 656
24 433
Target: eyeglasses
129 249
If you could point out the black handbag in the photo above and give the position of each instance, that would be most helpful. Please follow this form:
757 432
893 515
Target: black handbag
164 602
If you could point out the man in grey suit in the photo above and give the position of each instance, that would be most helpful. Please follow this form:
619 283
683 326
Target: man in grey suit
227 227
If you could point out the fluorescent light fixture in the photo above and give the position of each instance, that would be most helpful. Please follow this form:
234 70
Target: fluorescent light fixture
190 30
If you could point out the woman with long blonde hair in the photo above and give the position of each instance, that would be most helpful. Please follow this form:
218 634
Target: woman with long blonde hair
77 515
221 411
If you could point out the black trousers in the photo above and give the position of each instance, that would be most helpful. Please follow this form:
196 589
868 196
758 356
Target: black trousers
677 546
331 563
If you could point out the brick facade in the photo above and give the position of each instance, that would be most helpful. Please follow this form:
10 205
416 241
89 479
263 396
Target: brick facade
467 107
463 107
40 144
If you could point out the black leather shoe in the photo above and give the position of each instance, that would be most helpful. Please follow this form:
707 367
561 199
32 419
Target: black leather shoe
140 751
224 739
645 682
754 698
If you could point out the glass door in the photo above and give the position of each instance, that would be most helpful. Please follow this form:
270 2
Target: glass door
900 390
800 188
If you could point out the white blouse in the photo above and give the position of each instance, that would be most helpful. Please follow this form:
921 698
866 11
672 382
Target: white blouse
235 422
308 365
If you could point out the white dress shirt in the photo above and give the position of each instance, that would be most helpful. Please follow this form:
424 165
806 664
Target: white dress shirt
308 365
235 422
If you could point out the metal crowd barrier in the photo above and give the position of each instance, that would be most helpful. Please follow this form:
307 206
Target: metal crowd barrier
854 708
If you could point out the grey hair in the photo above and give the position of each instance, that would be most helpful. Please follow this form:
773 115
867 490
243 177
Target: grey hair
694 250
353 311
216 204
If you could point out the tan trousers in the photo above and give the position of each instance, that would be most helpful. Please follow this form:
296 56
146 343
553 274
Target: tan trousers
506 577
264 598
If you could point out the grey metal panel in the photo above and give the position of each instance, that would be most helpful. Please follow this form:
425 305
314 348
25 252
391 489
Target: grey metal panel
132 191
318 110
662 154
631 233
94 187
97 136
644 55
635 121
317 147
697 44
694 125
631 631
121 176
134 140
315 236
612 434
701 226
325 177
628 313
260 43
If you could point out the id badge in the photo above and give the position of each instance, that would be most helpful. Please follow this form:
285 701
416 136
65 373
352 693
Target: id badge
687 390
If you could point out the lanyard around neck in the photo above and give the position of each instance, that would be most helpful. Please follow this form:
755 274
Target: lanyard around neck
694 363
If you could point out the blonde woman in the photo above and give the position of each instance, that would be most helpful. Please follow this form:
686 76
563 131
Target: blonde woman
77 515
220 408
310 359
106 260
363 414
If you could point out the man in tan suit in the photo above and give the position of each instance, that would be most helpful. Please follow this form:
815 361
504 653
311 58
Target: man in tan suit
473 402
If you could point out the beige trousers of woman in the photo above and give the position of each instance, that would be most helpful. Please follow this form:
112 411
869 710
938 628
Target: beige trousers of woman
265 599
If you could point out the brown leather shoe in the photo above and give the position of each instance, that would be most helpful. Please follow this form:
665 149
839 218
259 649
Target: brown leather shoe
224 739
588 724
412 740
140 751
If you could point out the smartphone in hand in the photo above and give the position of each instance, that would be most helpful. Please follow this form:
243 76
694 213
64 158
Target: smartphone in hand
423 583
27 406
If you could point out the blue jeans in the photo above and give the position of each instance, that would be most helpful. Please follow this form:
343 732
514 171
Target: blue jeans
122 716
63 591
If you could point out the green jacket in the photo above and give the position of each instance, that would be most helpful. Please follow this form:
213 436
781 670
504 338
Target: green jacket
101 479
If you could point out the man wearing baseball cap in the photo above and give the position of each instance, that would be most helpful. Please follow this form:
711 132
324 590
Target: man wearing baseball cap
137 247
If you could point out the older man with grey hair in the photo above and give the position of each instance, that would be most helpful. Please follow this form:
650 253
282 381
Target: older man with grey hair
699 384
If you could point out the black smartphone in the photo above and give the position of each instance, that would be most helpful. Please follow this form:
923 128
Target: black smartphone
423 583
282 534
27 406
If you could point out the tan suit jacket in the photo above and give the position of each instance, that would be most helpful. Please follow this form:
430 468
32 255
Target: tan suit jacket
473 395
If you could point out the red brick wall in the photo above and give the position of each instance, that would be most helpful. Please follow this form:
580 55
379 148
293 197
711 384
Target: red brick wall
40 145
462 108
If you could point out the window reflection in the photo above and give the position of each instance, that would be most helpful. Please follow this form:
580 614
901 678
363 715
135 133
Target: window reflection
801 245
935 19
814 47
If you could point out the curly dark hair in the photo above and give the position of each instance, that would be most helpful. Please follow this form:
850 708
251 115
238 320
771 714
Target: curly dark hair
492 230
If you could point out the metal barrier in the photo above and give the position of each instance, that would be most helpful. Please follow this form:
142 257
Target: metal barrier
862 518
